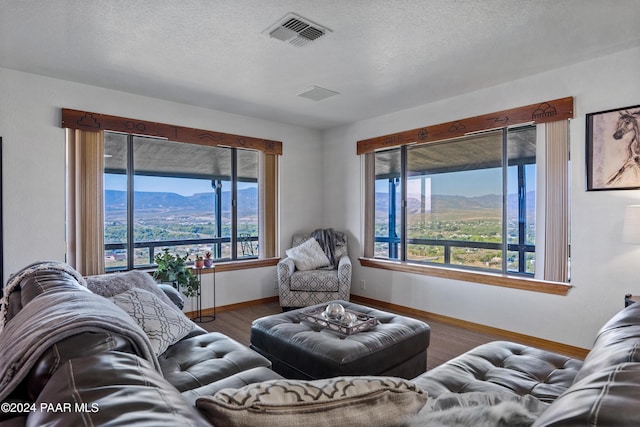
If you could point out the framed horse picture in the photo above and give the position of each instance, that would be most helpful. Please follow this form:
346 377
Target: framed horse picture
613 149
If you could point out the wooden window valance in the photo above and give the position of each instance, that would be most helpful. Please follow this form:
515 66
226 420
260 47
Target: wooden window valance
83 120
544 112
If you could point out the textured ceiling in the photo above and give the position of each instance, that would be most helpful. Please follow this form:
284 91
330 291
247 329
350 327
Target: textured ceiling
381 55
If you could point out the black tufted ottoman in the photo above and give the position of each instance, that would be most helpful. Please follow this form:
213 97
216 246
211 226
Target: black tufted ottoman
397 346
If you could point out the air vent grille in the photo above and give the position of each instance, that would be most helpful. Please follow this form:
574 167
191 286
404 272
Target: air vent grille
295 25
296 30
311 33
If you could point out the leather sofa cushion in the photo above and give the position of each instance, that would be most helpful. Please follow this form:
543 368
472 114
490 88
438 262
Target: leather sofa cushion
202 359
115 389
501 366
241 379
608 397
18 421
618 341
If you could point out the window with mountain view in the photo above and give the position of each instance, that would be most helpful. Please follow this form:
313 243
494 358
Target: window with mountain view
189 198
454 203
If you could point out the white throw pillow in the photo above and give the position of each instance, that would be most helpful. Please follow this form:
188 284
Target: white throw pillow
163 324
308 256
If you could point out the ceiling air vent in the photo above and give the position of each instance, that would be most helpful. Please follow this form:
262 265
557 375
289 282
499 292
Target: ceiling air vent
296 30
317 93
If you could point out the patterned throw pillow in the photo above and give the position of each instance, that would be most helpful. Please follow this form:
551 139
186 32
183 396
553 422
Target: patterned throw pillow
163 324
308 256
340 401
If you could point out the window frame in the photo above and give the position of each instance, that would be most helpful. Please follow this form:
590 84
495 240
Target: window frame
559 110
398 249
270 151
130 245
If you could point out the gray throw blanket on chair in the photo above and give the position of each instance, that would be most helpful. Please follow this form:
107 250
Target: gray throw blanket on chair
326 237
54 315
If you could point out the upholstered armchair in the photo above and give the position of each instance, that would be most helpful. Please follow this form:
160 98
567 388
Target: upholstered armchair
315 286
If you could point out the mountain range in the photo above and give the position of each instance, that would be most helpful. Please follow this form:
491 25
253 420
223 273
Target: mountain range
116 202
444 203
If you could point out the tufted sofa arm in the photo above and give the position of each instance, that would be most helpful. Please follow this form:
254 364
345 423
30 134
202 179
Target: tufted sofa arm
503 366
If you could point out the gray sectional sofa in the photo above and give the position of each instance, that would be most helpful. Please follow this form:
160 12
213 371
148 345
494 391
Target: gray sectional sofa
70 357
85 362
602 390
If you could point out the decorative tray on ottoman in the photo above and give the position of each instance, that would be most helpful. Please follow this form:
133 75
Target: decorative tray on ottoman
358 322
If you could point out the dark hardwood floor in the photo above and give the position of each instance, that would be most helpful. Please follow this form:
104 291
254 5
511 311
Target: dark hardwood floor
447 341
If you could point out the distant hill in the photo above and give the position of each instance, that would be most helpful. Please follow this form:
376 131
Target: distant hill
160 203
440 203
115 202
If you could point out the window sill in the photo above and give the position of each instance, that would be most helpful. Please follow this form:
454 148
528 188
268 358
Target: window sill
231 265
502 280
244 265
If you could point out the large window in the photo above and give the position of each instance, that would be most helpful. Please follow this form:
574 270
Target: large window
467 203
135 186
189 198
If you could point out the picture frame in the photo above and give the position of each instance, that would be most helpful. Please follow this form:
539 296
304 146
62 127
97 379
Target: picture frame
613 149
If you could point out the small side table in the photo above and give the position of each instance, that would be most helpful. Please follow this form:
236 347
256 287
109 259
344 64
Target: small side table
199 318
631 299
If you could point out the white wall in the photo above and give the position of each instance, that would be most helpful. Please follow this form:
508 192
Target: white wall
33 169
602 267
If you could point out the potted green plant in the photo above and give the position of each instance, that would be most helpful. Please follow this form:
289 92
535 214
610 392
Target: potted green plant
208 261
174 269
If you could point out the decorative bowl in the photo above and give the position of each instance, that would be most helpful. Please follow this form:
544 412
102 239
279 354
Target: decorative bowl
349 319
334 311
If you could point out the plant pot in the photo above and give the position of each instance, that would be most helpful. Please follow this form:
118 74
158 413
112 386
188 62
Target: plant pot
208 262
199 263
